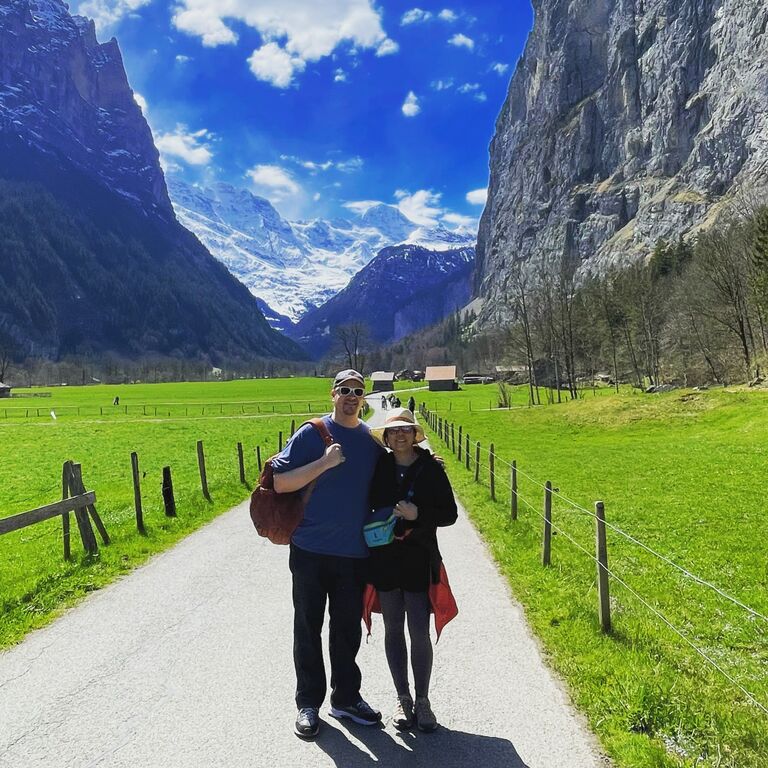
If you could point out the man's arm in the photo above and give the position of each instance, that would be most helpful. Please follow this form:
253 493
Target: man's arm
295 479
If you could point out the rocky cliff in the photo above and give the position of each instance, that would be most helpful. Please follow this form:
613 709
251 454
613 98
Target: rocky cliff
92 258
64 92
626 121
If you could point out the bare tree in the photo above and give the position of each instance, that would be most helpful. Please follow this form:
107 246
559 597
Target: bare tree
353 339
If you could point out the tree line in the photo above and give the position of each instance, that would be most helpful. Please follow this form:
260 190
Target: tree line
694 312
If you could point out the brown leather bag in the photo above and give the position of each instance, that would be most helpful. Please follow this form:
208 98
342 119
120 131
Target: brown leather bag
277 515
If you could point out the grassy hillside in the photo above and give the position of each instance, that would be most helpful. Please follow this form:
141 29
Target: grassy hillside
683 473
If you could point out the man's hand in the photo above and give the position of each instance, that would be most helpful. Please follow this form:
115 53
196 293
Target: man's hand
406 510
334 456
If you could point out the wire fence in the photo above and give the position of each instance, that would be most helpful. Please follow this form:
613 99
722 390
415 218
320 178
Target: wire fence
486 471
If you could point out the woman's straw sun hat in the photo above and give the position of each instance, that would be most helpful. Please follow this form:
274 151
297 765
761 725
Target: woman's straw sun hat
399 417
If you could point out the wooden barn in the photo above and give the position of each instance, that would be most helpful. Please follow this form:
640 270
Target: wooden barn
382 381
441 378
5 390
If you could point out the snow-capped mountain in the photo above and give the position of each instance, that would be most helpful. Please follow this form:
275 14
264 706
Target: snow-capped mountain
294 267
403 289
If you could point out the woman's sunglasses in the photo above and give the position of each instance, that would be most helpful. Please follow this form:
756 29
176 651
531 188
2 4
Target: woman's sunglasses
356 391
404 430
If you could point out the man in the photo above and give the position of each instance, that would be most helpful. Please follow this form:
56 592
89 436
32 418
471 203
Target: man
412 404
328 554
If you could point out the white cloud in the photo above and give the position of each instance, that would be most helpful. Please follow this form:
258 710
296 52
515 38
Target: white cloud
415 16
350 165
499 68
460 40
460 221
442 85
477 196
387 47
141 101
295 32
361 206
182 59
107 13
474 89
339 76
191 147
273 182
411 106
420 207
316 196
275 65
448 15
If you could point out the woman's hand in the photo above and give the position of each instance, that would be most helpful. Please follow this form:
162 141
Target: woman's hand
406 510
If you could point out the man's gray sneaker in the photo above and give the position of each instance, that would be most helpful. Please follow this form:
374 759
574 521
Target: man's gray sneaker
362 713
402 718
307 723
425 717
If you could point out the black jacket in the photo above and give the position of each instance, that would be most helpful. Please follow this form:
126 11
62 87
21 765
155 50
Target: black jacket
413 562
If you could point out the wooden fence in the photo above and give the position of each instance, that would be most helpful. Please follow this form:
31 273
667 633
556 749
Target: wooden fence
446 431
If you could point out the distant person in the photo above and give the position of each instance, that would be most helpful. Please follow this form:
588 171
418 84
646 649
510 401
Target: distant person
410 491
116 401
412 404
396 402
384 402
328 556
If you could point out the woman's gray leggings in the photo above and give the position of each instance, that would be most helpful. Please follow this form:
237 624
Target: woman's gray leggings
396 605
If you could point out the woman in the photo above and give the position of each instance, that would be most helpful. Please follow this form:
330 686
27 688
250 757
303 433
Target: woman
410 489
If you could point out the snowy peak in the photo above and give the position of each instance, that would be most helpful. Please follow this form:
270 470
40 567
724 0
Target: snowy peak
295 266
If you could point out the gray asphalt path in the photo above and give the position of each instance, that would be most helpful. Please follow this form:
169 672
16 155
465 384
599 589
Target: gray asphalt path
187 663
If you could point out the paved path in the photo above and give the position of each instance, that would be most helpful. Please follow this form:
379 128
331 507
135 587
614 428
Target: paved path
186 663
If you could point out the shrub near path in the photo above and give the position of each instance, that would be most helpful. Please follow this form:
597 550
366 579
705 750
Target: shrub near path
35 580
684 473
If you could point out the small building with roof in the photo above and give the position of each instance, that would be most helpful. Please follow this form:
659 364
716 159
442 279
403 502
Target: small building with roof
382 381
441 378
5 390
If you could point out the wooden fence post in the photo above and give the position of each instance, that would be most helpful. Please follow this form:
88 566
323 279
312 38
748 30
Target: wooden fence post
492 472
258 458
477 461
241 462
513 485
453 437
459 454
201 467
65 516
601 547
546 544
293 427
466 452
137 493
169 502
81 514
90 509
280 441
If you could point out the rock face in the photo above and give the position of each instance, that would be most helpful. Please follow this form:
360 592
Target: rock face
404 289
626 121
92 258
65 92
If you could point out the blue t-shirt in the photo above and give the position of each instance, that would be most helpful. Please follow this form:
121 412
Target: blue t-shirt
338 507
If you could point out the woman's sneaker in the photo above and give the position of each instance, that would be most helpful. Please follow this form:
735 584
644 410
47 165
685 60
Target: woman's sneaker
362 713
307 723
402 718
425 717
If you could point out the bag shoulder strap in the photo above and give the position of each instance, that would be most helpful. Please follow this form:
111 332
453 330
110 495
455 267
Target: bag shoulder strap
319 425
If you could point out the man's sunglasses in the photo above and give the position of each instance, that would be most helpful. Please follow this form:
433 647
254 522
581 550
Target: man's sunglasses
356 391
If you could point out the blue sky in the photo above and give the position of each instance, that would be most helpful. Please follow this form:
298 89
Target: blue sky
325 105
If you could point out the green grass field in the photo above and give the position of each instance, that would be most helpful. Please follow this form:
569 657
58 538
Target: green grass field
684 473
35 581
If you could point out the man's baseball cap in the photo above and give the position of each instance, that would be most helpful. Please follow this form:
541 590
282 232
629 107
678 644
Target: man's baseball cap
343 376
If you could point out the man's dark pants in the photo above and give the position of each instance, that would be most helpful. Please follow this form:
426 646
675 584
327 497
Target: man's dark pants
340 580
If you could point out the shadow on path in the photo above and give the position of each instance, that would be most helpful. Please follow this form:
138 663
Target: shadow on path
444 748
